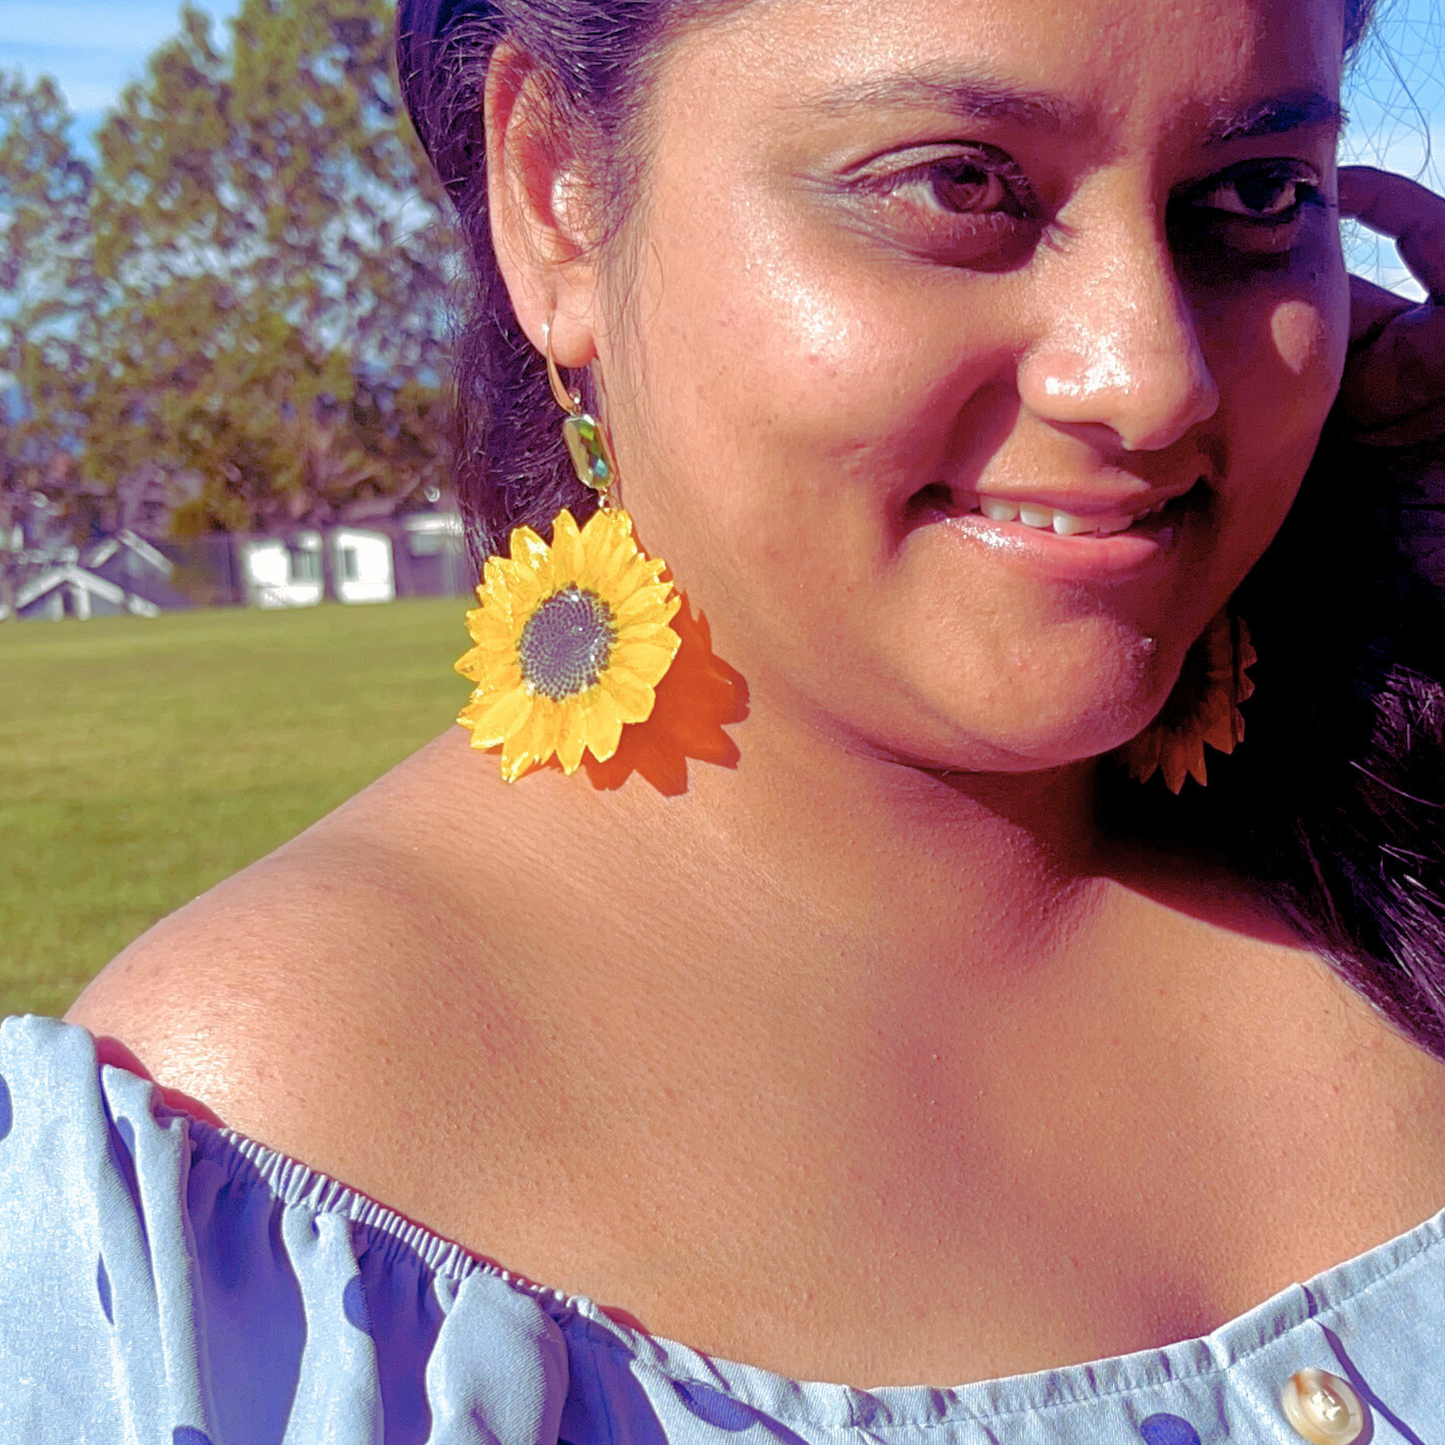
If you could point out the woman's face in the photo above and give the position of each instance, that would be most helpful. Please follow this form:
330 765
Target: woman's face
901 272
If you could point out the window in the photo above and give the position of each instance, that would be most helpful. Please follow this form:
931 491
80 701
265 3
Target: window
305 565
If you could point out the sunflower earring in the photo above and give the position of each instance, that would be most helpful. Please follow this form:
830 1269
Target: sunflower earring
569 639
1203 708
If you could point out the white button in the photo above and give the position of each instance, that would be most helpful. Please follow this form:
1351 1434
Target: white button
1322 1408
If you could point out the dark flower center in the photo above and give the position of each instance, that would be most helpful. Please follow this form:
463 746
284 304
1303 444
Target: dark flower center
566 643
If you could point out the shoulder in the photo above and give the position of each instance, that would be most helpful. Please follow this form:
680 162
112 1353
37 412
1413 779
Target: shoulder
308 991
395 997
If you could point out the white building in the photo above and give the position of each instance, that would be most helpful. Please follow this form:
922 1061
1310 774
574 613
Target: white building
287 572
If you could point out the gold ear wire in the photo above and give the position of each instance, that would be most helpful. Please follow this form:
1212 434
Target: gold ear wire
568 401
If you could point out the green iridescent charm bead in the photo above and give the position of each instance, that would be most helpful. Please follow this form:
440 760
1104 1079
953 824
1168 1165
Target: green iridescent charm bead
583 436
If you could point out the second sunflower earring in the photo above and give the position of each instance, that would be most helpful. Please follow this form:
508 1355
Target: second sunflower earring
1203 708
571 638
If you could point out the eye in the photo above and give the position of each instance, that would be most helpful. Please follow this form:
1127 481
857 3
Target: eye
1259 196
961 186
971 183
1259 206
953 203
1269 193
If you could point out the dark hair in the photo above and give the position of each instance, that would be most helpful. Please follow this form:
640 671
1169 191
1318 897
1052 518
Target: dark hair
512 465
1336 804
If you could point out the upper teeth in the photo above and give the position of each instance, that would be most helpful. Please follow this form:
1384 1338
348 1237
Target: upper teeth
1066 524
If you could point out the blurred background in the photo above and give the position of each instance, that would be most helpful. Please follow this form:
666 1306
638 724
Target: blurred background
230 567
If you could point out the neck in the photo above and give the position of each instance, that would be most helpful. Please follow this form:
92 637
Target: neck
981 867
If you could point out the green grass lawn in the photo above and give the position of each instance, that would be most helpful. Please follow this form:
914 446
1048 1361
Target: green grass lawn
146 759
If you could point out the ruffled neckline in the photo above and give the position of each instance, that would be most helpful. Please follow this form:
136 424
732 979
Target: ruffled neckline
709 1383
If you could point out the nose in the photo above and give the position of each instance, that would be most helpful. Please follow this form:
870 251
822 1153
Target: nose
1118 345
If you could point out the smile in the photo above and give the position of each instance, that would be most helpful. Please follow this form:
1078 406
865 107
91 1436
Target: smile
1102 544
1054 519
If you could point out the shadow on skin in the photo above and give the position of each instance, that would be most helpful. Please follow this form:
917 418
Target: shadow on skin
700 695
1200 889
624 1317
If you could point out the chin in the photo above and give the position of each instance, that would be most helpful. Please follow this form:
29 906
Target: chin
1059 737
1048 711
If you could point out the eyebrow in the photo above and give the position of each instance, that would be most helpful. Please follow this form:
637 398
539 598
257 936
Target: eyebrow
1298 110
970 95
973 95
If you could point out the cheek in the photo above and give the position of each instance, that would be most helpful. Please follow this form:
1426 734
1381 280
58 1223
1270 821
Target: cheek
1304 342
1279 373
819 389
1280 344
809 339
1284 386
1278 351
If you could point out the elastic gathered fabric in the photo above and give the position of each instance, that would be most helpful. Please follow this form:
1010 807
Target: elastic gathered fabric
164 1282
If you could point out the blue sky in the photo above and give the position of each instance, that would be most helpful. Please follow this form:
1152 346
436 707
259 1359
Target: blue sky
93 47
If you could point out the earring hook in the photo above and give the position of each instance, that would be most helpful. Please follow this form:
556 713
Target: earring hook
567 400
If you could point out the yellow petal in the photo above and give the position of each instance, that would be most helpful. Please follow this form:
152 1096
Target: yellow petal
534 742
527 548
497 572
490 632
607 548
469 657
633 575
546 721
504 675
488 641
567 553
645 663
658 634
492 620
494 717
605 526
596 569
495 591
647 604
603 723
634 699
478 665
571 735
1181 757
517 750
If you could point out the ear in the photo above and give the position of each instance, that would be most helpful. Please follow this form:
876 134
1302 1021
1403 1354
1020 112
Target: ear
535 199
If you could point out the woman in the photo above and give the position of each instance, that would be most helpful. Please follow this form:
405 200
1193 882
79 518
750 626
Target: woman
870 1023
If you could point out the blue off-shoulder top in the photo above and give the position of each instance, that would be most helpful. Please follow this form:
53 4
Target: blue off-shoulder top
164 1282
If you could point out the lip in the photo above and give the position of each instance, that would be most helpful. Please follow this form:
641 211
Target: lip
1117 558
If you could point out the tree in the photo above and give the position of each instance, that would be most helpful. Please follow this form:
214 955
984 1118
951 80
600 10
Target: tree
237 318
47 292
275 272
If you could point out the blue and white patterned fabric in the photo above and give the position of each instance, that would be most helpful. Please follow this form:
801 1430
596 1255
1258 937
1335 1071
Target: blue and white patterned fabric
168 1283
